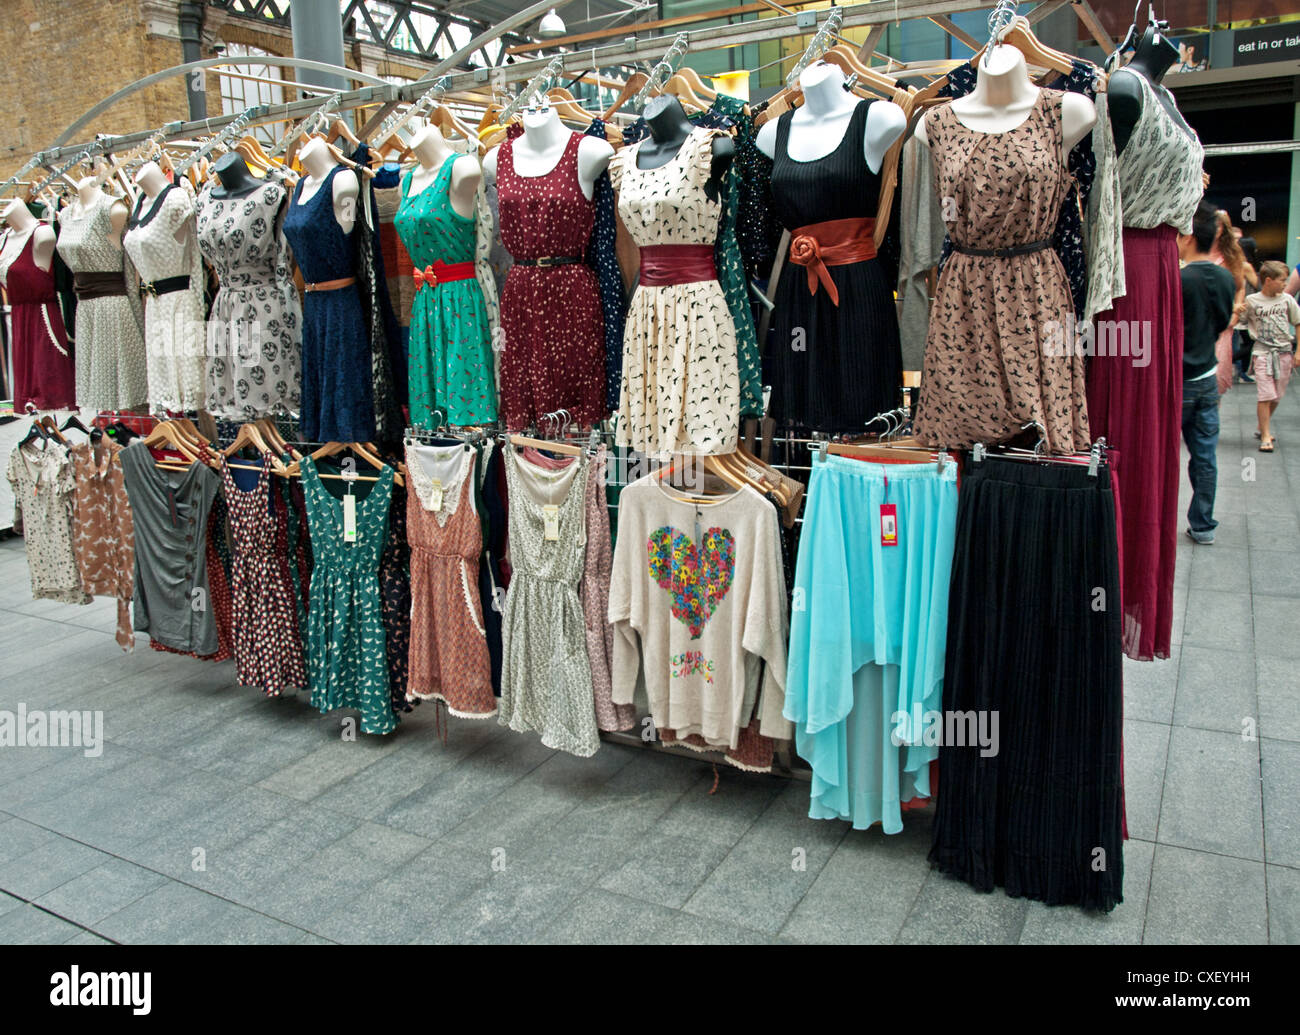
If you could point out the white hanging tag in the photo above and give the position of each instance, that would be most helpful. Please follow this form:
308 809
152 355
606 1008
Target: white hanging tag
435 494
551 514
349 518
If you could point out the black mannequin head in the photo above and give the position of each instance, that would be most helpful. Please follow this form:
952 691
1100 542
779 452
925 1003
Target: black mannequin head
667 119
1155 51
235 176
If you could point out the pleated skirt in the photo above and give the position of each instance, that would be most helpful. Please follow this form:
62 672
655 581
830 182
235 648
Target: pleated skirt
1135 402
1034 638
867 635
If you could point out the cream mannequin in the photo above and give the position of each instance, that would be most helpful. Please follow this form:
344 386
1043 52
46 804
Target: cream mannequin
432 150
817 127
23 223
542 145
318 162
88 191
151 179
1003 97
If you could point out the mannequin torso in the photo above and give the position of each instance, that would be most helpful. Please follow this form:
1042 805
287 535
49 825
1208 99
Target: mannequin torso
88 193
817 128
318 162
1004 97
23 224
432 151
153 181
1154 55
669 128
539 150
236 179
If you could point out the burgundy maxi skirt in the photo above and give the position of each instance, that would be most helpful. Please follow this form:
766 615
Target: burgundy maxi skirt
1135 401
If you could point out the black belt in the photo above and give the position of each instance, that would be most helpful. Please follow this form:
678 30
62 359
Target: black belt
551 260
98 285
165 286
1004 253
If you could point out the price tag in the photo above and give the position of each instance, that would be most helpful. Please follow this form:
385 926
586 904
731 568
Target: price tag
888 524
349 518
348 474
435 494
551 513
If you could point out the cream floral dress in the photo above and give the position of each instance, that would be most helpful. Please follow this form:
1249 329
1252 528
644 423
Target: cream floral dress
681 382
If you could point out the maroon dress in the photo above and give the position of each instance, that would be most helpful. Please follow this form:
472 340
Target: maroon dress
554 349
43 369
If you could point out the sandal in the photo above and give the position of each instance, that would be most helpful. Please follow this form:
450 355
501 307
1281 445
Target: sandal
1257 435
1266 447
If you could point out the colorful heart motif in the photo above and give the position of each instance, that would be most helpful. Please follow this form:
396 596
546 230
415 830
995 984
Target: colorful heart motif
697 579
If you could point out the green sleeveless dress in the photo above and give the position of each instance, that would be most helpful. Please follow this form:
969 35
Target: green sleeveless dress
451 366
347 666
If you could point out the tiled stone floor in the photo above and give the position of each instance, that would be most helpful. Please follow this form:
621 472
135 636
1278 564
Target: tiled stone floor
214 815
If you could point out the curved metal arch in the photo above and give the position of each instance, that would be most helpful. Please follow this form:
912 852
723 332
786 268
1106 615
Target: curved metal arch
180 70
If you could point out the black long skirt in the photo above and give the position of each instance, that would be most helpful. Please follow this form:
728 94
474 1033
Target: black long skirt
834 367
1035 635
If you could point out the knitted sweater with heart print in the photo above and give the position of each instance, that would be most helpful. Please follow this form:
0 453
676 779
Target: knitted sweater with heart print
697 600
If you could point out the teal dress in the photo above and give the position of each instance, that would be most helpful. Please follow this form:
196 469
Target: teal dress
347 666
451 366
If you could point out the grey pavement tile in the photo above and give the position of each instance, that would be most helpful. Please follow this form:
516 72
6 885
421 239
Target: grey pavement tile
949 911
28 925
8 902
1280 770
599 917
1277 685
1146 750
1066 925
86 938
1275 572
1180 602
177 914
864 893
1225 568
1149 687
724 815
334 761
515 819
18 837
1273 528
1217 619
516 904
1277 624
688 929
665 868
1211 796
1202 899
1283 905
771 867
100 892
48 866
1216 689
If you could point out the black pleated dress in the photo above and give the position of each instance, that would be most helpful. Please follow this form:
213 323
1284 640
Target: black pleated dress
1034 635
831 367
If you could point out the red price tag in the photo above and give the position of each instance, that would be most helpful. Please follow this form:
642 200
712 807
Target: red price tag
888 524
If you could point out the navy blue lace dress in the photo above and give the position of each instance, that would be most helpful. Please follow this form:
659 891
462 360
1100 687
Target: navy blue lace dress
337 394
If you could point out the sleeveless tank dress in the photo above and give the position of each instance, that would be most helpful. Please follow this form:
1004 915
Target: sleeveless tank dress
451 365
337 384
110 359
546 675
831 367
1135 400
554 351
43 369
680 387
449 650
992 361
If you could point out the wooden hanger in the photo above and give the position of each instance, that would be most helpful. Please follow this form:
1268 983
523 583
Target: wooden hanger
568 108
681 89
271 435
250 435
630 89
521 441
1022 37
333 449
167 435
339 157
868 78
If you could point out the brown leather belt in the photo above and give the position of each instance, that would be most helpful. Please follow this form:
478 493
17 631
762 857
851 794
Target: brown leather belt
98 285
663 265
331 285
836 242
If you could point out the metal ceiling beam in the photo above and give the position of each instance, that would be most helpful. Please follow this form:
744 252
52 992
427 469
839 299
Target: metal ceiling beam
1044 9
1092 23
955 31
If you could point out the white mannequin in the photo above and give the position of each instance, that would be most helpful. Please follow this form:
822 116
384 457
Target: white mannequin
88 192
817 127
542 145
151 179
22 222
432 150
1003 97
318 162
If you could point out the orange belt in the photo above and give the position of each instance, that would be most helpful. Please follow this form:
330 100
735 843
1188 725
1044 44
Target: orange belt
440 272
331 285
837 242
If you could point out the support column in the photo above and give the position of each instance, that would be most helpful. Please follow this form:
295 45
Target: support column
1293 208
190 20
318 36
